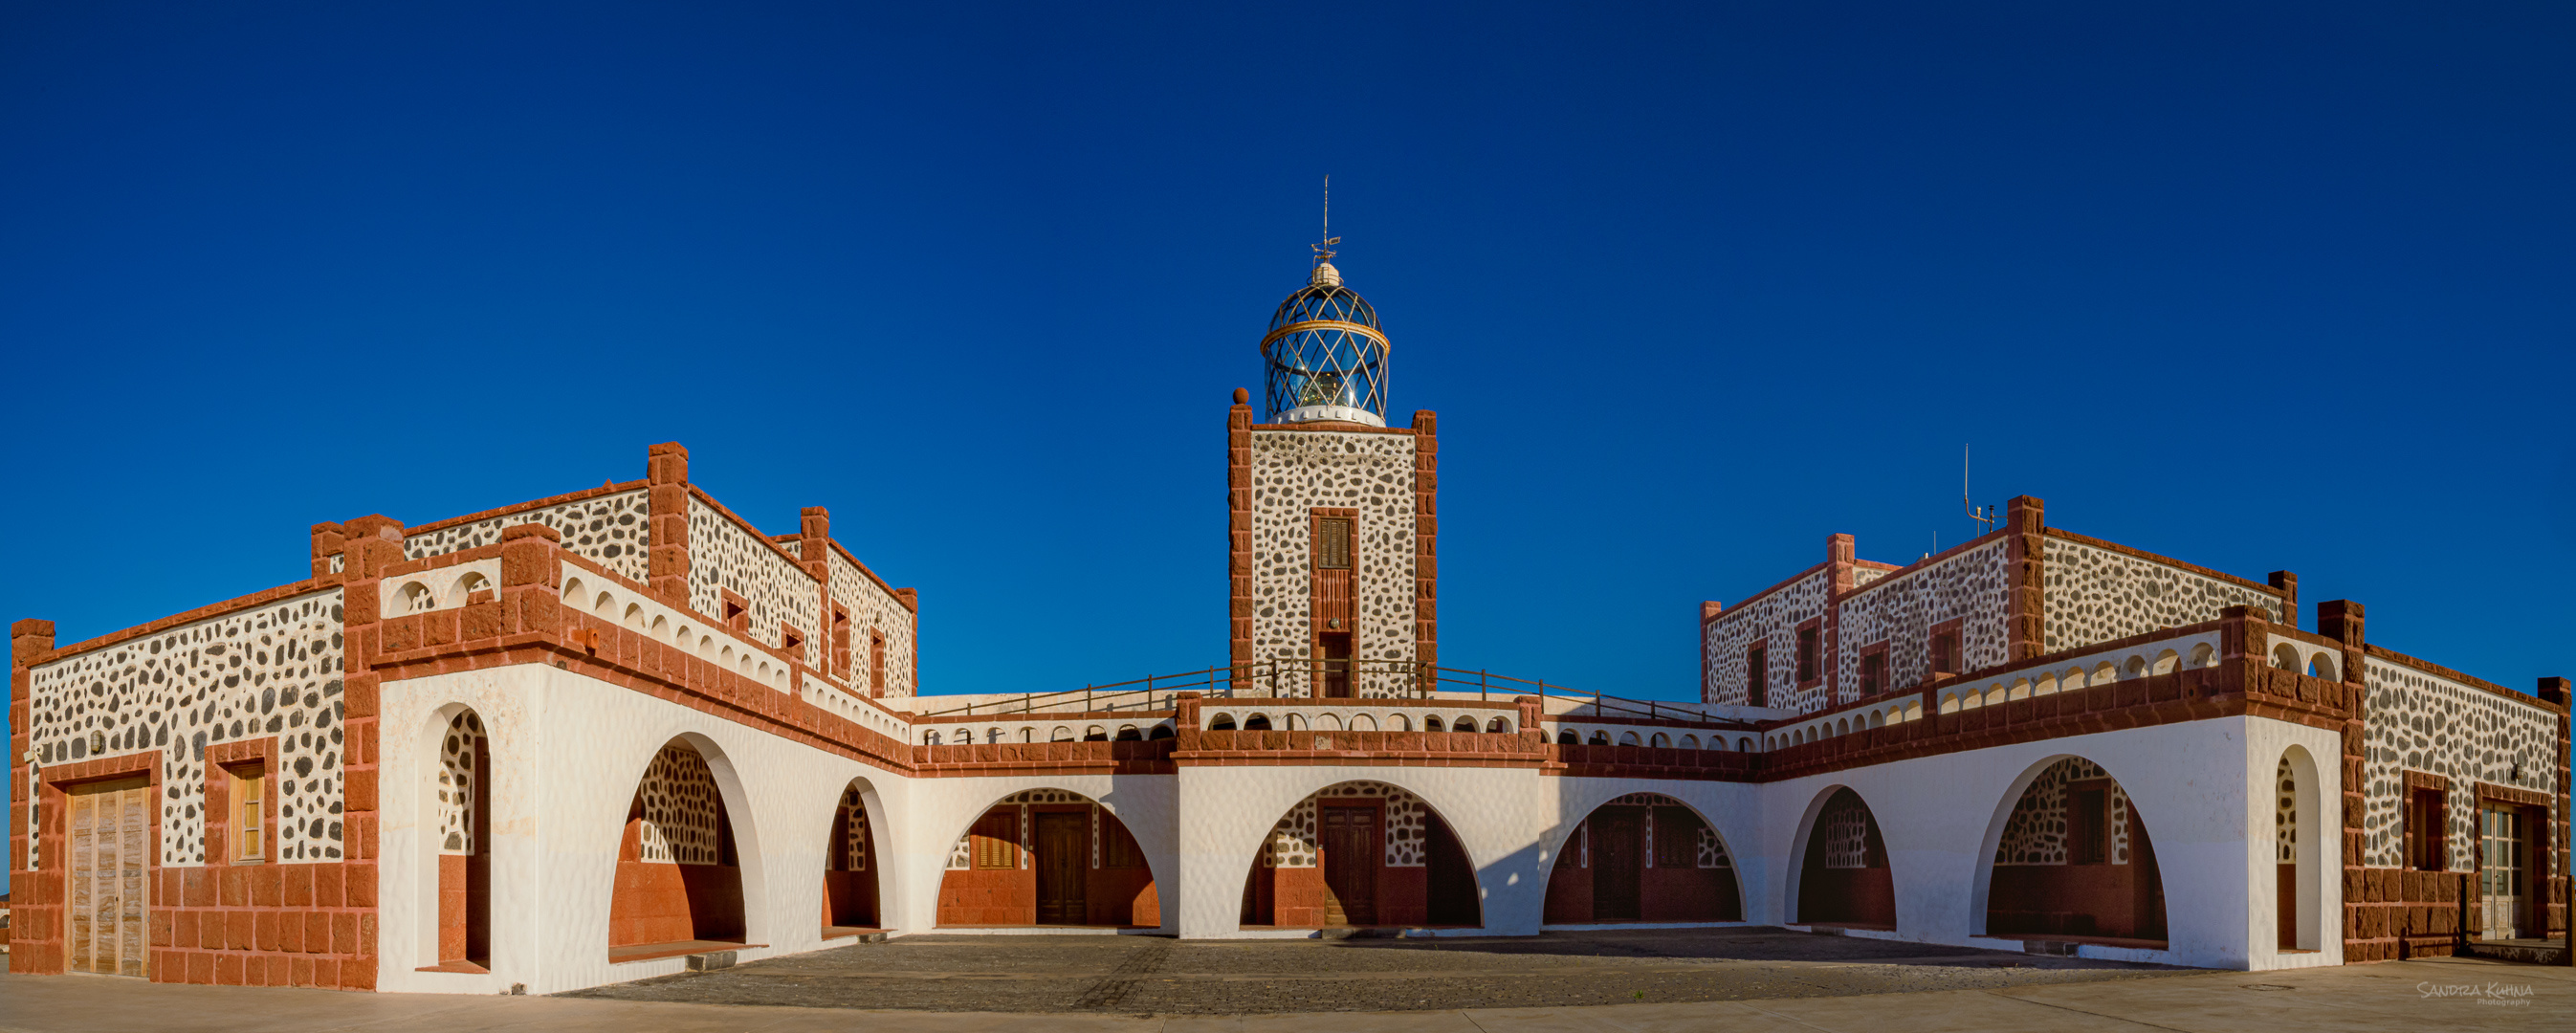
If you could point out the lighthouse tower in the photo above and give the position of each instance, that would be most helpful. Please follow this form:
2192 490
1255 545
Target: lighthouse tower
1332 521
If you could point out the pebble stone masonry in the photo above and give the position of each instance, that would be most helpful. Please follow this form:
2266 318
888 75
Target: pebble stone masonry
575 741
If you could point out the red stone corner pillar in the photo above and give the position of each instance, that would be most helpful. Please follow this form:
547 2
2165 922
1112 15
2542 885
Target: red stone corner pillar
531 580
666 470
1426 540
1238 531
29 641
2025 563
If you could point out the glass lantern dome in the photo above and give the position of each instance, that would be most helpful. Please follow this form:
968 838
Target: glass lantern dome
1326 355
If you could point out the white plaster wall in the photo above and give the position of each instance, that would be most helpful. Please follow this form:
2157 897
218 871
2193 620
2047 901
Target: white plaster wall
567 751
2203 789
943 808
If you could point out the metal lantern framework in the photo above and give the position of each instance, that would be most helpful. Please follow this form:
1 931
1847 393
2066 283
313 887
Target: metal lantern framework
1326 355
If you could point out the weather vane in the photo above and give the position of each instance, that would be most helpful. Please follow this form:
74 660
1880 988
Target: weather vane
1324 251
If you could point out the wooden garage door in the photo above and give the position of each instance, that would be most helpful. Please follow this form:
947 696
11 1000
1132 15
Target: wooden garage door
111 833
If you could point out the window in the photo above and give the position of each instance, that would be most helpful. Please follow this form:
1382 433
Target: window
1873 674
1676 838
737 613
1757 677
791 641
840 641
1118 849
1807 655
876 662
1945 653
2427 837
996 839
2088 827
1333 544
249 811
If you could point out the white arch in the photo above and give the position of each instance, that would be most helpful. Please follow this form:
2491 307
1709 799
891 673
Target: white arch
1980 887
1794 864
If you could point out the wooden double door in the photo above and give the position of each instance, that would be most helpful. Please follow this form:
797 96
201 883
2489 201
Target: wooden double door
1353 850
1618 863
110 846
1063 861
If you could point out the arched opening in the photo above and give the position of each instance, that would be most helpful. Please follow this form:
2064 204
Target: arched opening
2286 657
1844 879
2296 848
1048 857
463 843
679 877
1361 854
1643 857
1160 732
2073 861
850 902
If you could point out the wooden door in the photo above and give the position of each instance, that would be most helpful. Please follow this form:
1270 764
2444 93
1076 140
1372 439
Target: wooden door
2288 895
1334 647
2502 912
1352 852
1064 857
1618 863
110 834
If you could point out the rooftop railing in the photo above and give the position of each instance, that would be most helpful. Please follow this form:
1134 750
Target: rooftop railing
1324 682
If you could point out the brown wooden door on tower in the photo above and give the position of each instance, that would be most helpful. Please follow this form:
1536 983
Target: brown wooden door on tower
1064 857
111 831
1618 862
1329 604
1351 855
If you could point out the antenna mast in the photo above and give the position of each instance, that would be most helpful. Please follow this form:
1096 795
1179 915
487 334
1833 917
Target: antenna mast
1985 516
1324 251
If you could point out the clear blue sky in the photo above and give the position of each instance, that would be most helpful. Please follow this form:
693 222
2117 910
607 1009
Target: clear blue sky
1691 289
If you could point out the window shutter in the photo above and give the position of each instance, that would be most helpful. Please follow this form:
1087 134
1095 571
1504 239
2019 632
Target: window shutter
1333 544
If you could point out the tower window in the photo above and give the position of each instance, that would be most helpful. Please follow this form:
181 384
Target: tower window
1757 677
1807 655
1873 674
1945 653
1333 544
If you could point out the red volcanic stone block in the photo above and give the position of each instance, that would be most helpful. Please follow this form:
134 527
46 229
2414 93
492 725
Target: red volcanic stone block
236 886
327 884
264 886
361 885
264 930
228 970
481 620
183 928
326 973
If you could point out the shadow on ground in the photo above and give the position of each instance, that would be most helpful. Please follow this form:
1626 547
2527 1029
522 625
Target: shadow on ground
1156 975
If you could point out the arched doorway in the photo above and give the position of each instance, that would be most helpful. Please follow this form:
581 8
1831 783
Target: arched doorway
1643 857
1048 857
2296 840
1844 879
1361 854
2074 862
463 843
679 877
850 899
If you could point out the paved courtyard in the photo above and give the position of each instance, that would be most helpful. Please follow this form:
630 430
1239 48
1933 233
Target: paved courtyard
1158 976
1751 981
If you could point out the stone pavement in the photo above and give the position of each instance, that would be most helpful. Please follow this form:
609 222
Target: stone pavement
2413 996
1132 975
